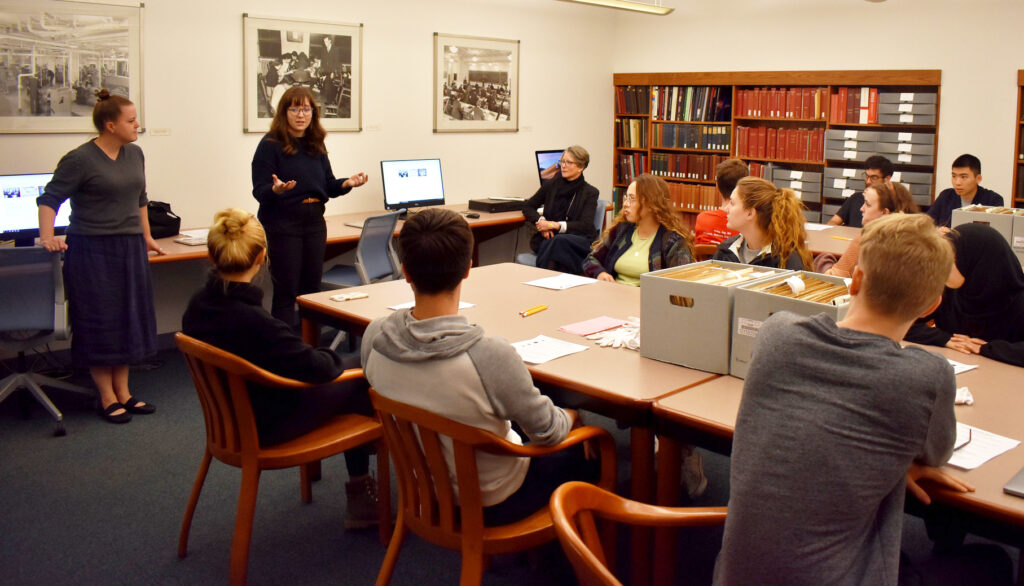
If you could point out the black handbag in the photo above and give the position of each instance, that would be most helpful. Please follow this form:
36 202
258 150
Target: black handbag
162 221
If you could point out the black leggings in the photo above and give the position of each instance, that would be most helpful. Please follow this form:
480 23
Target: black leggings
296 267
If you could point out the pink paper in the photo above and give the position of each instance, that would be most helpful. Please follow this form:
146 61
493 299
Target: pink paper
592 326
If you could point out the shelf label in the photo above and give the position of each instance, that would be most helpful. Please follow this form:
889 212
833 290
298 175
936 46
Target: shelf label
850 144
906 118
897 176
748 327
850 155
907 97
796 174
850 134
796 185
849 172
839 184
904 147
849 192
906 108
905 137
799 195
905 158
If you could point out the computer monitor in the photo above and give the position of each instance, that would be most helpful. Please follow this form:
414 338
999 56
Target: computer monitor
545 159
411 184
19 216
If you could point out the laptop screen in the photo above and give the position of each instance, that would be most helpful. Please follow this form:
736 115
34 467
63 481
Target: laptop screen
546 160
412 183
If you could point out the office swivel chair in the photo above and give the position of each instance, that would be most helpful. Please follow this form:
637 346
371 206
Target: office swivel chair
375 259
33 312
529 258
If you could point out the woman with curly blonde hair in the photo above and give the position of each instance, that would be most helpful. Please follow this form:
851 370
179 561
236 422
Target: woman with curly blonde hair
647 235
770 222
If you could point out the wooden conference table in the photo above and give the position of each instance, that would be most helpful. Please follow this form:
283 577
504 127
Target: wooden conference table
831 240
341 237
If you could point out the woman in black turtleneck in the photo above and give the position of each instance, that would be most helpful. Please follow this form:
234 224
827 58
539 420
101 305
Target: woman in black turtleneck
292 180
566 230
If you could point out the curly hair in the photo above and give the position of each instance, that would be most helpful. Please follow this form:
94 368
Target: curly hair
315 133
652 193
779 214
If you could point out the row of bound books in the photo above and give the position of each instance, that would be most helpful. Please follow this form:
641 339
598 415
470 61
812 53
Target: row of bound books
632 99
631 133
762 170
693 197
691 103
630 166
797 103
687 136
854 105
679 166
789 144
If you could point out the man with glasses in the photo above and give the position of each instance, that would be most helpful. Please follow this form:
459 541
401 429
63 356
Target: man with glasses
566 229
877 170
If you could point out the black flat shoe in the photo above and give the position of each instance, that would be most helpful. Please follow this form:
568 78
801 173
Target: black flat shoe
133 405
124 417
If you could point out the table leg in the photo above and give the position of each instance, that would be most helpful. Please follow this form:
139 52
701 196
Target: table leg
642 457
669 479
310 332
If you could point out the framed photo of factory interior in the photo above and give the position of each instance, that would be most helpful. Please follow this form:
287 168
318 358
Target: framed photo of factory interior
55 56
476 84
325 57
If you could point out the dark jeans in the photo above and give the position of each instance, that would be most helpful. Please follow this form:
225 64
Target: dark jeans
969 565
563 252
296 267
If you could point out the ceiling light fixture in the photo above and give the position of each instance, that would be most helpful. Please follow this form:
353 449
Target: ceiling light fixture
632 5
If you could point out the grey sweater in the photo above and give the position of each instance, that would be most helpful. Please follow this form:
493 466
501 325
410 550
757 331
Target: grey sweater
105 194
829 422
446 365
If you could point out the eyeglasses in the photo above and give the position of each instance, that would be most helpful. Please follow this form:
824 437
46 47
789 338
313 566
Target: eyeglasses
564 162
305 111
872 176
628 199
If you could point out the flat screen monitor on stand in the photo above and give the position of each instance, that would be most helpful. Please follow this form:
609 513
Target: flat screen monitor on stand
547 163
412 183
19 216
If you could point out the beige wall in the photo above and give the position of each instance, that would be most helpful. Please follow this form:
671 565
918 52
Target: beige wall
978 45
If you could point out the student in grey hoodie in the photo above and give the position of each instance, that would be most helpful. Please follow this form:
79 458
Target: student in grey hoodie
432 358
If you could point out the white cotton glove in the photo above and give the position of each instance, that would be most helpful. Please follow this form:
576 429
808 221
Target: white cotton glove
963 397
627 336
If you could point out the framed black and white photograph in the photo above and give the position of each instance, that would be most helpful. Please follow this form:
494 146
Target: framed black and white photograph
476 84
55 55
325 57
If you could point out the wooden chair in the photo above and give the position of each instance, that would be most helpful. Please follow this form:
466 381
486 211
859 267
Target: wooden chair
221 381
703 251
428 504
574 506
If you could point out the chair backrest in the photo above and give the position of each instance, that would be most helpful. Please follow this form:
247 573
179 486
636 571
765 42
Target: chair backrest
575 508
432 507
375 256
703 251
221 378
31 290
599 214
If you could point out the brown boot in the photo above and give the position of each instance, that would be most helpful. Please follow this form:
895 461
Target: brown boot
362 509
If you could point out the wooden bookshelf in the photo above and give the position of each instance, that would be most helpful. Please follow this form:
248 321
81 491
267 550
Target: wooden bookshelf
791 119
1018 155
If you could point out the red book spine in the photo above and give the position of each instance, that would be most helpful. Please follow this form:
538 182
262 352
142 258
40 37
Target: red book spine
773 137
764 107
873 106
762 137
807 103
843 99
814 146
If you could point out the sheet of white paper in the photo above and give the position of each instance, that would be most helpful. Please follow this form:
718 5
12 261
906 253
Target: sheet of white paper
816 227
408 304
984 446
197 233
542 349
560 282
959 367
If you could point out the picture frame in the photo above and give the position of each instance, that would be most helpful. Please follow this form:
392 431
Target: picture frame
50 72
324 56
476 84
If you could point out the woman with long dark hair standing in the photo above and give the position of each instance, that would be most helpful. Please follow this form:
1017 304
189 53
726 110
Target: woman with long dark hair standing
292 179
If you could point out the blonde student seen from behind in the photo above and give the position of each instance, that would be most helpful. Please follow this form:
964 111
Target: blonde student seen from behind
647 235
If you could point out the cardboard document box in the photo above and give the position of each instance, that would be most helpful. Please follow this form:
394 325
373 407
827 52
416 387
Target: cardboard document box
829 210
911 137
752 306
909 159
864 135
912 177
794 175
906 107
813 215
998 217
833 193
847 155
922 119
850 145
885 148
854 183
687 322
907 98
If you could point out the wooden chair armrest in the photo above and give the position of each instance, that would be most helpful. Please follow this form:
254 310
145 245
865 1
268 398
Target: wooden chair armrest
263 377
605 443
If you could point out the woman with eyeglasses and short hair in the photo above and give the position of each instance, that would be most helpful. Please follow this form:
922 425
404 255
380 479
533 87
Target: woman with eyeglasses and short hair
292 180
647 235
566 229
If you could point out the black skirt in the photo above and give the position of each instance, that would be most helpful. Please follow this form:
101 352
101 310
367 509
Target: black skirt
110 300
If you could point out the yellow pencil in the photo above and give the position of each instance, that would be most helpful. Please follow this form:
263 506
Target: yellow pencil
842 238
533 310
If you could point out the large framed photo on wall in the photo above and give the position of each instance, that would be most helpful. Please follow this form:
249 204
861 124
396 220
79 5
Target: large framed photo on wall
325 57
476 84
55 56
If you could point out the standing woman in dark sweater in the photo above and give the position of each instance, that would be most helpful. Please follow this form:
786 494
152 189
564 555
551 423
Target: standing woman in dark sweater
228 313
292 180
106 265
566 230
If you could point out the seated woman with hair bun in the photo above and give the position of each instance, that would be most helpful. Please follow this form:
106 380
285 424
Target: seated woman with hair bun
646 236
228 313
770 222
